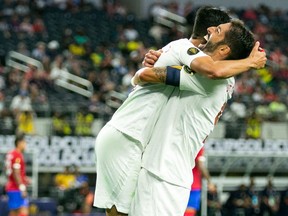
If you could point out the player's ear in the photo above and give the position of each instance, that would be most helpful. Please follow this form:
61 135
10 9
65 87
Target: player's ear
225 50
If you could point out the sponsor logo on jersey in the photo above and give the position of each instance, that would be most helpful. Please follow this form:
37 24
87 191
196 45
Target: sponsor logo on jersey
192 51
188 70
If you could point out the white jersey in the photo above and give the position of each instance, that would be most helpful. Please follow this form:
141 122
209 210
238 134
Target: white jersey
183 125
138 114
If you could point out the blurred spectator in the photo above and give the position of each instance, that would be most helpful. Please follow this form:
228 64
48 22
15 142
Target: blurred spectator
214 206
60 125
98 108
22 48
269 95
83 122
56 67
254 196
130 33
26 27
65 180
126 81
253 126
4 28
22 8
85 199
77 47
64 184
232 127
39 52
278 110
61 4
31 73
7 8
278 58
269 204
7 122
239 110
120 68
15 76
25 122
15 23
39 27
21 101
84 195
38 96
250 14
239 202
258 95
283 207
66 38
53 49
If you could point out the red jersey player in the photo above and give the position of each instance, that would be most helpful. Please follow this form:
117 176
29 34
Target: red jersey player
17 179
199 171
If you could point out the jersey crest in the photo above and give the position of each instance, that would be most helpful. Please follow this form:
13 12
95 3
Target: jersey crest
188 70
192 51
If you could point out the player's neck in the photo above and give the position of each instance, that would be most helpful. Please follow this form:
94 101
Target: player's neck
19 150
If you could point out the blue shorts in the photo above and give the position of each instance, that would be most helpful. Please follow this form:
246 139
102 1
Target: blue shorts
194 199
16 201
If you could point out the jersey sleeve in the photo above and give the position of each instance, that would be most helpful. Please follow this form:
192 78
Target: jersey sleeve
190 82
200 156
187 53
16 162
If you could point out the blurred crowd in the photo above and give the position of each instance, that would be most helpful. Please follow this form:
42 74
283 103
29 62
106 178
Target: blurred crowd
72 191
249 200
105 44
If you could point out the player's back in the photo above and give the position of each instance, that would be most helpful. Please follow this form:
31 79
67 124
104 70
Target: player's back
182 127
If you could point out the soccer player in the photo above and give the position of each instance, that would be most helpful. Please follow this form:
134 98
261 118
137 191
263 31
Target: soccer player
17 179
120 144
184 123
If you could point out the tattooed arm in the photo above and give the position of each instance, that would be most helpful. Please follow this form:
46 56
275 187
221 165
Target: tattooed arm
149 75
166 75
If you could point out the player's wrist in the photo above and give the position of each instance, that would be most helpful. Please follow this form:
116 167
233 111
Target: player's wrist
22 187
173 75
136 80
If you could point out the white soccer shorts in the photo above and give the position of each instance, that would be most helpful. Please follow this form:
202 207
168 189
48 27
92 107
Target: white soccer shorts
118 163
155 197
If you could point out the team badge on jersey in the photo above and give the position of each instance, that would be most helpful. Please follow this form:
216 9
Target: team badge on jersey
192 51
188 70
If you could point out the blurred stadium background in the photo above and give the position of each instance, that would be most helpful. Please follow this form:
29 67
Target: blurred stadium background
66 65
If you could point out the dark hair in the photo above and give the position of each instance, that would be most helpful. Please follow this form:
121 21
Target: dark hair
18 138
240 40
208 16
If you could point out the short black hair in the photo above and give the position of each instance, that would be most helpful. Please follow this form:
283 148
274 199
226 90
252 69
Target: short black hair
18 138
240 40
208 16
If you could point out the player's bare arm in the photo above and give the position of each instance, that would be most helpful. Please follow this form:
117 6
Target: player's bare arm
17 177
150 75
219 69
228 68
